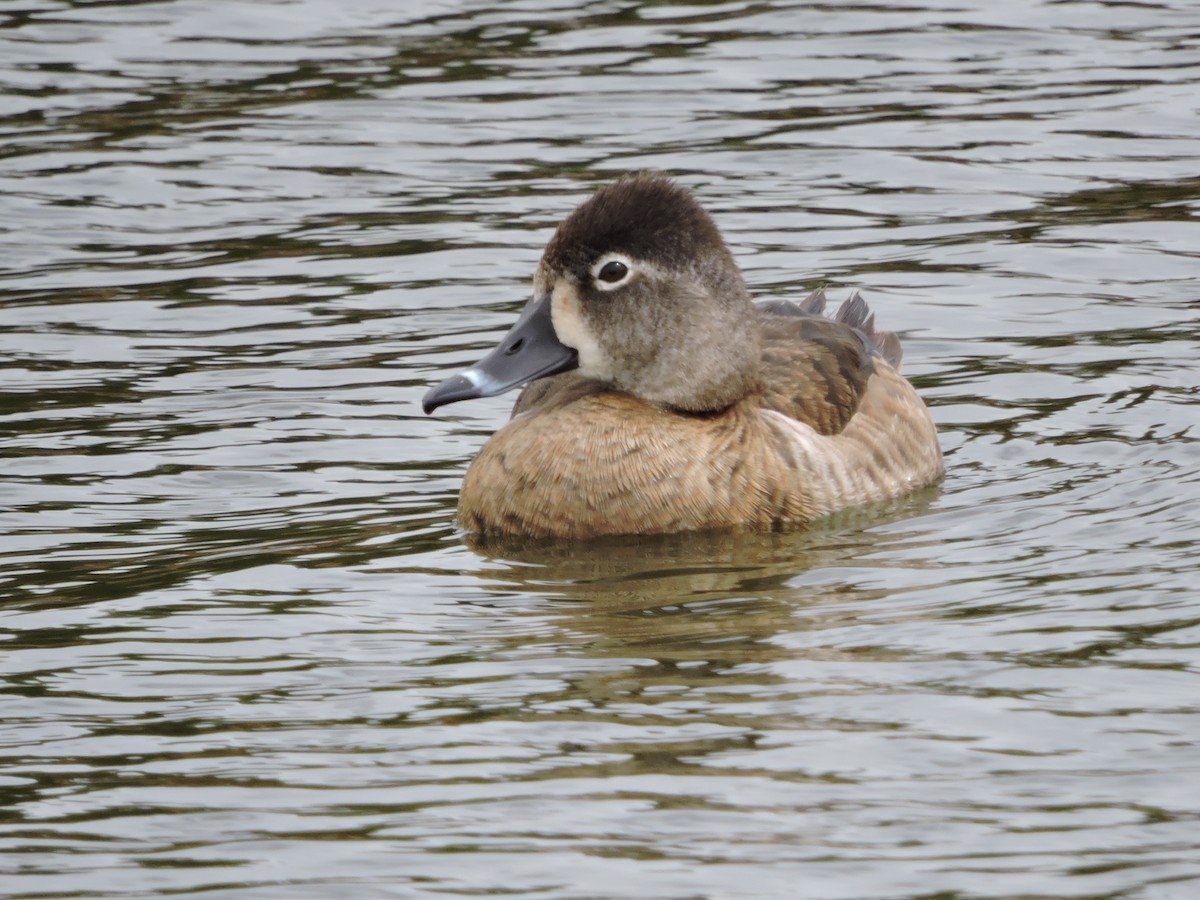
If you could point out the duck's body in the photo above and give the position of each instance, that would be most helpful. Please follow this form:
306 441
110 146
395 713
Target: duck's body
680 404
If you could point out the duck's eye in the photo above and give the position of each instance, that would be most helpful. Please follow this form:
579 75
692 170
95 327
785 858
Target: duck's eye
612 271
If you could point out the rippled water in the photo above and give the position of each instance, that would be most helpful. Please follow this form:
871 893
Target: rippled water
246 654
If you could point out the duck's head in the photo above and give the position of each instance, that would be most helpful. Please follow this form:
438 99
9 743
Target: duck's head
636 289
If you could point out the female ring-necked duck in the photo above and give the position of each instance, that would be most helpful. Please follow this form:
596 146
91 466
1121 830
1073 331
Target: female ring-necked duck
661 398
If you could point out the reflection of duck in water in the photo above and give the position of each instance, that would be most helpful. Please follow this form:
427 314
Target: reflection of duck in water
723 597
647 571
663 399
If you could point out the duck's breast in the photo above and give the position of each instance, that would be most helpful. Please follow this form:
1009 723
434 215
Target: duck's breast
610 464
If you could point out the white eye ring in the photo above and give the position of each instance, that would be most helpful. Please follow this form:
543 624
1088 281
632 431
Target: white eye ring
606 261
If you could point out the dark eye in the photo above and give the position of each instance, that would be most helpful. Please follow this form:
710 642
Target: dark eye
613 271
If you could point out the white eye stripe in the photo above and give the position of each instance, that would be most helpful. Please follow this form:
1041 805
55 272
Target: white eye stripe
609 265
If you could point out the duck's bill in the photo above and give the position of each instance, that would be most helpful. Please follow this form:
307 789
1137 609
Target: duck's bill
529 351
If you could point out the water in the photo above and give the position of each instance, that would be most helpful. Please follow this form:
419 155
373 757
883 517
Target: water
246 654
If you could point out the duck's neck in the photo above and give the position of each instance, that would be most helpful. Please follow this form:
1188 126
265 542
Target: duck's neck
714 365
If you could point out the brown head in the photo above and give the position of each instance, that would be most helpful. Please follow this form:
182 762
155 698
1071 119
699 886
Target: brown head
637 289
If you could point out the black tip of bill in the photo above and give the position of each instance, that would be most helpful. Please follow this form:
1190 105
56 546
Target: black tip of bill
463 386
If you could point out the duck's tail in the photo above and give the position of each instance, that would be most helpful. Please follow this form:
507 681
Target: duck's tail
853 312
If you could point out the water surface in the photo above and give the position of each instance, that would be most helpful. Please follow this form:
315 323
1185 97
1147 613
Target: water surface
247 654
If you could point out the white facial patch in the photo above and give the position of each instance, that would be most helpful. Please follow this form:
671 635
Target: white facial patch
607 266
566 313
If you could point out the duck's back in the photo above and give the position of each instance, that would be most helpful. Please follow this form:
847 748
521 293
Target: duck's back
843 414
816 369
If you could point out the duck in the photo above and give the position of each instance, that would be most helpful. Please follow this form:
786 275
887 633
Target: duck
659 397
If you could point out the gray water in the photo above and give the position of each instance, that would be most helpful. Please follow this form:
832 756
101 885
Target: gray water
247 654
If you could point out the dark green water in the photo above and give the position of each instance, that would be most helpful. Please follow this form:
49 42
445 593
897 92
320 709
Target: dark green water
246 654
